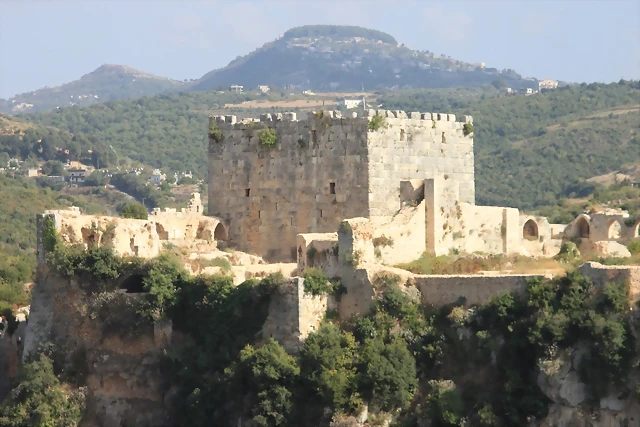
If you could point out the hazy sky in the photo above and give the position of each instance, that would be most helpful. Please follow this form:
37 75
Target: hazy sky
47 43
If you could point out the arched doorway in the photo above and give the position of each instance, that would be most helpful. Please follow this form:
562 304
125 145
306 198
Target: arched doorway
614 230
582 227
530 230
220 232
133 284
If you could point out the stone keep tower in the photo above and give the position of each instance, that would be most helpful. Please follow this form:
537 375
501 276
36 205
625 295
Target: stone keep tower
324 169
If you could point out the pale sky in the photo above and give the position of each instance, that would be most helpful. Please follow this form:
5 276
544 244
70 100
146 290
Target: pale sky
48 43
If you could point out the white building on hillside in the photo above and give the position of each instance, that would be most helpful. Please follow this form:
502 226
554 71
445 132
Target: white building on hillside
350 103
157 176
547 84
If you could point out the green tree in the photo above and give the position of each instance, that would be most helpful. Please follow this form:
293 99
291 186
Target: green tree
268 375
39 399
387 373
53 168
96 179
327 365
134 210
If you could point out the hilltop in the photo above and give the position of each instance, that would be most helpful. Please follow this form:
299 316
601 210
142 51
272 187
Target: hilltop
332 57
320 57
107 82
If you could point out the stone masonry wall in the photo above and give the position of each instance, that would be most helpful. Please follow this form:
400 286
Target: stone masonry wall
294 314
269 195
417 146
455 225
438 290
601 274
325 169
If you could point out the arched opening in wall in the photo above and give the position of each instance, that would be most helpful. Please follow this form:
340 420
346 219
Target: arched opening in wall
204 232
133 284
530 230
614 230
220 232
162 234
582 227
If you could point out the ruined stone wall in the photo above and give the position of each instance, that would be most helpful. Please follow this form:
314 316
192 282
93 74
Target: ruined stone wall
417 146
438 290
294 314
454 225
318 250
313 177
325 169
602 274
135 237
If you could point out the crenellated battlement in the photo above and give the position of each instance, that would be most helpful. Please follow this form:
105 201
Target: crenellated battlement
337 116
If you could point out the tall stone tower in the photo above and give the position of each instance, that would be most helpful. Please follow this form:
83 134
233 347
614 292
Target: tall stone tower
324 169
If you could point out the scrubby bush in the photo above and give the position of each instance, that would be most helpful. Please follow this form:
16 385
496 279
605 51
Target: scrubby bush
634 246
317 283
134 210
268 137
377 122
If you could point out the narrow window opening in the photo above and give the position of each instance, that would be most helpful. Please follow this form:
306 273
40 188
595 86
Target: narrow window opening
247 192
314 136
320 213
402 135
332 188
259 213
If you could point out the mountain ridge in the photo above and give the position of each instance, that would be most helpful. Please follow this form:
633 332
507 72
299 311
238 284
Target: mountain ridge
328 58
333 57
106 83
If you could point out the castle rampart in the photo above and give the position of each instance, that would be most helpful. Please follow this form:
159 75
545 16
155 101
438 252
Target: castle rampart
324 169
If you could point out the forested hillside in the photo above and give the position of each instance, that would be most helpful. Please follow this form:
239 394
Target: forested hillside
167 131
530 150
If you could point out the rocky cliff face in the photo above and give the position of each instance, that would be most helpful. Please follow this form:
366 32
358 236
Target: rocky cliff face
559 381
111 350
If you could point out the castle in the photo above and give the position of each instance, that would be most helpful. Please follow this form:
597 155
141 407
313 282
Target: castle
327 168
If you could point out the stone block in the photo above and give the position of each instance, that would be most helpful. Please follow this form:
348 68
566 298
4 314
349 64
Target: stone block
426 116
290 116
265 117
230 119
415 115
277 117
355 115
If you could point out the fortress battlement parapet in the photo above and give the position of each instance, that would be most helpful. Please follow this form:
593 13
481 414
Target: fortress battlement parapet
313 116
